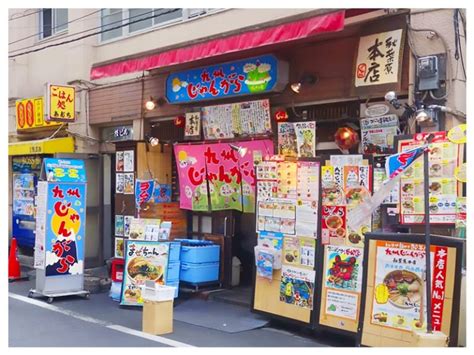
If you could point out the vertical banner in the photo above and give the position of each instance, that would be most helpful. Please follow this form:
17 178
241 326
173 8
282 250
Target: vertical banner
65 228
144 190
246 165
191 168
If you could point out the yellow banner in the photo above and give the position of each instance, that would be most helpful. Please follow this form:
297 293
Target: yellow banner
44 146
29 114
62 101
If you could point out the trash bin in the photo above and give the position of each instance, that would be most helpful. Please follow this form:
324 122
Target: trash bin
236 264
157 308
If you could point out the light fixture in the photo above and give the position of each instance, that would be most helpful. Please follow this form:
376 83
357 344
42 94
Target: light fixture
240 150
153 141
306 79
422 116
391 97
150 104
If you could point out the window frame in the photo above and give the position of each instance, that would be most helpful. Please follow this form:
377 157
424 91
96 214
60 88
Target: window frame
54 31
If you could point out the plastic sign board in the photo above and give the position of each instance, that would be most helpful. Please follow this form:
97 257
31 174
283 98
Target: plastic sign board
64 170
256 75
29 114
61 103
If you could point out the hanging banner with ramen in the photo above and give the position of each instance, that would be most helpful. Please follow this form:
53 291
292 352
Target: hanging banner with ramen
144 261
191 168
400 295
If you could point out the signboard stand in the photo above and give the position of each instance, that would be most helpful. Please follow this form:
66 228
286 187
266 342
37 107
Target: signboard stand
60 230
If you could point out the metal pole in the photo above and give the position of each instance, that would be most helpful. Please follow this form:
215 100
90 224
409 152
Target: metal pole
426 181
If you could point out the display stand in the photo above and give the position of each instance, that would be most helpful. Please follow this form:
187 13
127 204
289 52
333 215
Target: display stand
60 230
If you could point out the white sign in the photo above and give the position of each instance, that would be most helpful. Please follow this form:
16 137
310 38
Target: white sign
378 58
341 304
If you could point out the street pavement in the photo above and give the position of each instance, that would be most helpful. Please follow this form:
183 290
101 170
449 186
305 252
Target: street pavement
100 321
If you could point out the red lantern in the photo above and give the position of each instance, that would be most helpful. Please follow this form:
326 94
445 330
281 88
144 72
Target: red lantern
179 121
281 116
346 138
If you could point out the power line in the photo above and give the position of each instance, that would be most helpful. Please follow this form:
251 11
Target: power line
53 28
92 34
24 15
90 29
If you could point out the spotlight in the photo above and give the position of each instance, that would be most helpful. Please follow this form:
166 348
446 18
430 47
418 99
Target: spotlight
391 97
153 141
306 79
240 150
423 116
150 104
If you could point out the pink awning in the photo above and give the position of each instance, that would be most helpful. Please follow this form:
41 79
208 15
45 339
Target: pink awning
253 39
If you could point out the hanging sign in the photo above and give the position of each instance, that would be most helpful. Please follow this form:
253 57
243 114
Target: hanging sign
143 191
61 103
256 75
378 59
29 114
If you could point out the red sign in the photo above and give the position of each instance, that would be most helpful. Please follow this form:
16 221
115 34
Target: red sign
438 287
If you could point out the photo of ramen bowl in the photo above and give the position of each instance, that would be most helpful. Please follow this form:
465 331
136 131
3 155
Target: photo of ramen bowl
334 222
356 195
435 169
404 288
132 295
408 187
408 206
141 269
354 238
332 195
435 187
341 232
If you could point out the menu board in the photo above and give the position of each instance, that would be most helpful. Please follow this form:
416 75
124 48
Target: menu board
237 119
444 189
377 133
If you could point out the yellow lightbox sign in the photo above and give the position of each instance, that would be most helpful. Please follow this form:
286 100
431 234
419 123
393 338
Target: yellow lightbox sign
61 104
30 114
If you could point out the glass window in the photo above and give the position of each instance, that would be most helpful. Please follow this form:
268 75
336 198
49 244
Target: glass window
165 15
46 23
53 21
60 20
137 15
111 18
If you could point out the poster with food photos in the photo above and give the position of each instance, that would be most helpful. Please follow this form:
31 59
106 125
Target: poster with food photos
128 160
266 189
119 161
333 225
119 183
119 225
287 179
287 140
129 183
444 156
291 250
192 128
267 170
307 180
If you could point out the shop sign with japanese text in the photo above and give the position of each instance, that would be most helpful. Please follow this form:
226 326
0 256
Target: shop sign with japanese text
245 77
64 170
61 103
378 59
29 114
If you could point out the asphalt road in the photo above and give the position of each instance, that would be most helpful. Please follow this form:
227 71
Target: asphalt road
100 321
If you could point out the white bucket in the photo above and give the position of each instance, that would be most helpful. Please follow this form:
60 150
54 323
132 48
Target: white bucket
235 271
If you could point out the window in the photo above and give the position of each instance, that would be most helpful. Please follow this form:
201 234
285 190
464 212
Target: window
143 16
53 21
111 18
165 15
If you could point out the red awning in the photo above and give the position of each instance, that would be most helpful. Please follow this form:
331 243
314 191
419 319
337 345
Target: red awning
248 40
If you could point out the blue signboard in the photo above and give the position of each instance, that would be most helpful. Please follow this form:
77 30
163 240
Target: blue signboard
64 170
65 228
249 76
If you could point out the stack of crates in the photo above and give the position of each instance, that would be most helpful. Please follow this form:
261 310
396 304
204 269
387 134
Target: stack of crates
172 275
199 261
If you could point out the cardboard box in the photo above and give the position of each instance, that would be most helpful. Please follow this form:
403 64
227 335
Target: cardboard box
157 317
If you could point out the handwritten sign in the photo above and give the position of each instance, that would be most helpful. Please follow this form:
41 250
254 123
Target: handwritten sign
61 103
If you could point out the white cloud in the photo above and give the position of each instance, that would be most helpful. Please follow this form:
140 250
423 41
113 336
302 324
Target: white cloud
51 258
77 268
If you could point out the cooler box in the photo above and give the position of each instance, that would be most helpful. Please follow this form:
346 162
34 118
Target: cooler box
202 272
173 271
174 251
200 254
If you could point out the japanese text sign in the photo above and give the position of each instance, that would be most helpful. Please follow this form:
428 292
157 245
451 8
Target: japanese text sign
143 191
64 170
378 59
29 114
249 76
61 103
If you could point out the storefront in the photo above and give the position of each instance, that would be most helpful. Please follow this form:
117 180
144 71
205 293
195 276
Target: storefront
259 152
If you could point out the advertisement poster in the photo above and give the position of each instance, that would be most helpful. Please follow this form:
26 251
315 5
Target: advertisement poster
191 168
271 240
255 75
119 225
264 264
128 183
343 268
305 139
119 161
119 247
399 295
128 160
137 229
192 128
287 140
162 193
377 133
65 228
333 225
444 189
144 261
297 286
341 304
307 251
119 183
144 190
291 250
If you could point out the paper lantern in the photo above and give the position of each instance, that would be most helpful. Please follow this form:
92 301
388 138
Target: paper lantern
281 116
179 121
346 138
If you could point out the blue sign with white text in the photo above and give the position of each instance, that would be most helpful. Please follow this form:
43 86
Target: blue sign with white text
249 76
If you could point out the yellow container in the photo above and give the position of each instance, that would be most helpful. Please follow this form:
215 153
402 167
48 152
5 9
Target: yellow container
157 317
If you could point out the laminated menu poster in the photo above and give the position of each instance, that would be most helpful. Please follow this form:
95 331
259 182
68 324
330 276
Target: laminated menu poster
287 179
399 294
305 139
307 218
308 180
267 170
342 304
444 157
238 119
287 139
138 226
144 261
333 225
297 286
278 214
